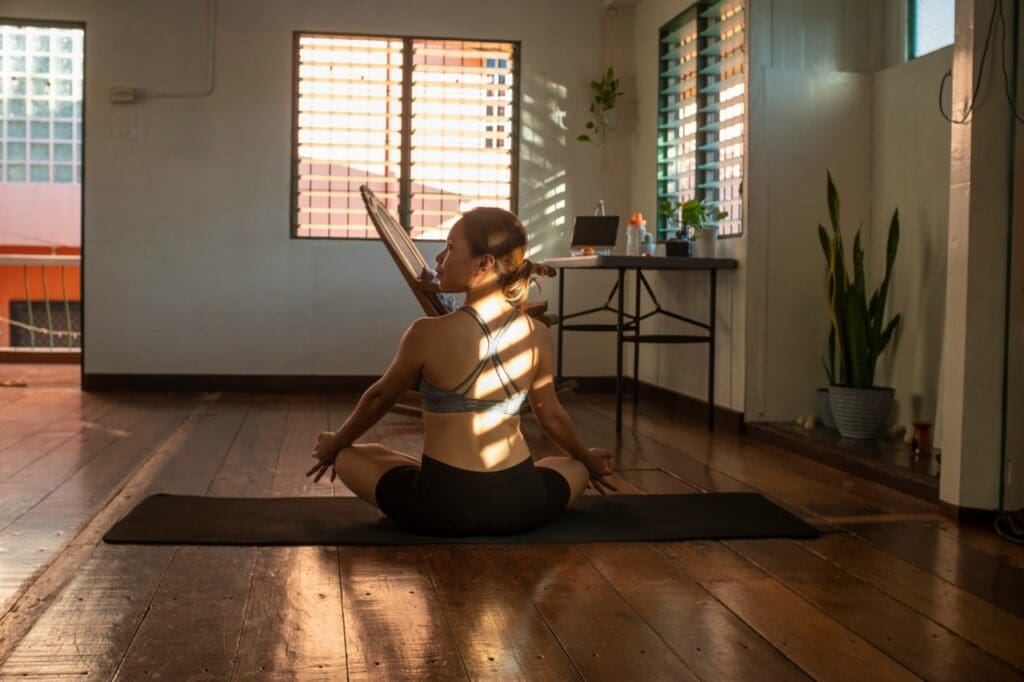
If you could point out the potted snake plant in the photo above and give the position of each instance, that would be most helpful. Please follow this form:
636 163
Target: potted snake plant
857 335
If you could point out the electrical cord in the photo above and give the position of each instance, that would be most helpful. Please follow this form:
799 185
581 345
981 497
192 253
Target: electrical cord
1011 95
977 81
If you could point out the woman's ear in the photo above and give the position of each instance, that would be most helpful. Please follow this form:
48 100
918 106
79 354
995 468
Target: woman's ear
487 262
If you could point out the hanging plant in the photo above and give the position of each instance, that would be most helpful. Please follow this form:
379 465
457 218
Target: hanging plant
605 91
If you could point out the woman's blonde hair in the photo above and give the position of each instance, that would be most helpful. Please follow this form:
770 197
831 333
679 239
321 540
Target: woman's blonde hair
498 232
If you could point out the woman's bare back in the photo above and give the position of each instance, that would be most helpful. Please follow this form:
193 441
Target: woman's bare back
478 441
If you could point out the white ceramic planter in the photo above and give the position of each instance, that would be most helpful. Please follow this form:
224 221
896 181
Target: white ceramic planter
860 412
703 243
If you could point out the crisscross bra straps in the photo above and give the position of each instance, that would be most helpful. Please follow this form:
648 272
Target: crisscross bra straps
457 400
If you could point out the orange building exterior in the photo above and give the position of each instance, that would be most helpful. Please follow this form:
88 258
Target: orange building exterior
39 219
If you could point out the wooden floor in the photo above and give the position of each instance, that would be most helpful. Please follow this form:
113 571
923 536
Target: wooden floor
890 591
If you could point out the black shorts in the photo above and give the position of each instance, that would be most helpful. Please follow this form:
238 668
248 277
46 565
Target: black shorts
439 499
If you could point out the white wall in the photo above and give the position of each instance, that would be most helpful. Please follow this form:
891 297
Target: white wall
189 267
823 100
810 101
681 368
910 171
806 122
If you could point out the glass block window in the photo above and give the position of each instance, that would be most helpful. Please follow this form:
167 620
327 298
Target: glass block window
40 104
930 26
701 110
430 125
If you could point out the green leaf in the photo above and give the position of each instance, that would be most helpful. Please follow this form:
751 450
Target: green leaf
833 202
826 244
861 367
887 334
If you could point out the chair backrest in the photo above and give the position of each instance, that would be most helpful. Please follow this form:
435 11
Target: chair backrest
403 250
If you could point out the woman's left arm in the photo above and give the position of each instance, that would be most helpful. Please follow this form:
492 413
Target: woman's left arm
375 402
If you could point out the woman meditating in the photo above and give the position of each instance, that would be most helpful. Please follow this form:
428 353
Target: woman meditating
475 368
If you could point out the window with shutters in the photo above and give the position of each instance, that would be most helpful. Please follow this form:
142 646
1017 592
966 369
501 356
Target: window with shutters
701 111
431 125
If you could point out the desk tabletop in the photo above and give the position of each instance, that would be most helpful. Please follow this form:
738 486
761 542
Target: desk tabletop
642 263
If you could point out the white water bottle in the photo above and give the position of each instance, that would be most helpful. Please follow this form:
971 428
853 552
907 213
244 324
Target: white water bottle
635 233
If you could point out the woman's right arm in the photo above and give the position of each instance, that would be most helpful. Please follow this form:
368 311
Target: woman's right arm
375 401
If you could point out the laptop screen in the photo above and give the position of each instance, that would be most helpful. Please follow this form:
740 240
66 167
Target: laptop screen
595 230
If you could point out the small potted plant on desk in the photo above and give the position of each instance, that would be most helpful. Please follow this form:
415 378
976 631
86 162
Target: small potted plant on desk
675 245
857 334
698 219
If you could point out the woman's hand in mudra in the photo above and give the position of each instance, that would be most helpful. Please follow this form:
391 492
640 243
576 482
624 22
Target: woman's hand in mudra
324 452
599 463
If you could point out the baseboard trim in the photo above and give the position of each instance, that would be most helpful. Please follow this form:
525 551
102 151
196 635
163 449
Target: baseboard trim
968 515
683 405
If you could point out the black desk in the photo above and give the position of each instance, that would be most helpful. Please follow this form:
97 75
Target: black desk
622 326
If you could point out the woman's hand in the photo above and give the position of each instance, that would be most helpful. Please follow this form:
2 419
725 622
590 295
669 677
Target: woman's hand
599 463
326 453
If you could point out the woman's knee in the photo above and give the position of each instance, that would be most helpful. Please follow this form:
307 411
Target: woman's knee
572 470
360 467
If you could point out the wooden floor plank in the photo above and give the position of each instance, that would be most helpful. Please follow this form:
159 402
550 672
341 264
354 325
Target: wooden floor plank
29 543
497 629
214 610
707 636
98 614
992 578
811 487
603 635
37 412
48 470
639 448
26 440
832 608
191 628
395 627
976 620
818 644
202 459
921 645
307 416
890 499
983 537
84 634
293 626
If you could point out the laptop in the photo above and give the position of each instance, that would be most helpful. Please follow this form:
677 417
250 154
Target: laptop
594 234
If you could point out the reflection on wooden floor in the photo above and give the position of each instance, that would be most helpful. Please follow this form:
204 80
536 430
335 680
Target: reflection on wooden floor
891 590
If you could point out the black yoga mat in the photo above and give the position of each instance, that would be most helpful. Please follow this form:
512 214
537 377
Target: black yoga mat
188 520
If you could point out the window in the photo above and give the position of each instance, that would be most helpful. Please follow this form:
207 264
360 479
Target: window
930 26
701 107
40 104
430 125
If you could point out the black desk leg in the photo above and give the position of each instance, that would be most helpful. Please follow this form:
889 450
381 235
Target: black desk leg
636 344
711 359
561 311
618 353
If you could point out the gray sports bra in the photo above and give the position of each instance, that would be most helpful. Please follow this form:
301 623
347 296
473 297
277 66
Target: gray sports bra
457 400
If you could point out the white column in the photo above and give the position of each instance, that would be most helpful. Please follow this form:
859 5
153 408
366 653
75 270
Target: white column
973 341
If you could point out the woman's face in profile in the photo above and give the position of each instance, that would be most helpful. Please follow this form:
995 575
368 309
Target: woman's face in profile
456 266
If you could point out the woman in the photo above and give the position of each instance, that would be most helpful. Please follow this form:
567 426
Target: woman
477 476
